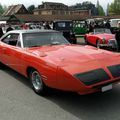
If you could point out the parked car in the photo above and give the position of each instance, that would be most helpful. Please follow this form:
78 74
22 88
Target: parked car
101 37
66 27
49 60
114 24
80 27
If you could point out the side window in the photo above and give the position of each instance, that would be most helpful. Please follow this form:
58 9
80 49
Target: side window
6 39
11 39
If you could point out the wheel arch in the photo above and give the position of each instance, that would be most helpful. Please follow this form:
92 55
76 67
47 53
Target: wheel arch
43 89
28 70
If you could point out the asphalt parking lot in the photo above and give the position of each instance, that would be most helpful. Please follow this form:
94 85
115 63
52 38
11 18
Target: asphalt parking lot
19 102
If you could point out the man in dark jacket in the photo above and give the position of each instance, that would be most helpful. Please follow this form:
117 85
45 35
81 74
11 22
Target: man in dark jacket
1 32
117 37
107 25
9 28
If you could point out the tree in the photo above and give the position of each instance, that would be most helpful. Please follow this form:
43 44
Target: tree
107 11
100 9
31 8
114 8
86 5
2 9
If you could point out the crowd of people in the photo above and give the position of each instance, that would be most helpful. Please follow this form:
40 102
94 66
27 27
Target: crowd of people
4 28
99 24
9 28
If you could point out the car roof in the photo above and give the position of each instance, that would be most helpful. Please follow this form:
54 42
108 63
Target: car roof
31 31
113 19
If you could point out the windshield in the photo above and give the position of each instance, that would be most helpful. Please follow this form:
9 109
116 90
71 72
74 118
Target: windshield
102 30
43 38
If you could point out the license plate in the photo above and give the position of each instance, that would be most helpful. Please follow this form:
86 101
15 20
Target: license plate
106 88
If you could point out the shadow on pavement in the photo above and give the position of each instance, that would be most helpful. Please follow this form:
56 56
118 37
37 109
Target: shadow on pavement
98 106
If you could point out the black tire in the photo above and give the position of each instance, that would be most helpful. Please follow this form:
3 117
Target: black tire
36 82
98 44
2 65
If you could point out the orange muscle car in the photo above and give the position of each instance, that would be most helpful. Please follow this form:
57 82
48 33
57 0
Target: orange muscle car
49 60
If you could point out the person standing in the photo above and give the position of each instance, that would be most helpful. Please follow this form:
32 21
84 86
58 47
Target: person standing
91 26
9 28
1 32
117 37
107 25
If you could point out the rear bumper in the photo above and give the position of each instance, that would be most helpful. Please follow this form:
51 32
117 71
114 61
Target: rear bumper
108 45
98 88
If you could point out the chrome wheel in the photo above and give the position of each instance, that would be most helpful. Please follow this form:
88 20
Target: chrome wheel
36 80
2 65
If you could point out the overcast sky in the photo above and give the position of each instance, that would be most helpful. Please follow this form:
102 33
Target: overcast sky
27 3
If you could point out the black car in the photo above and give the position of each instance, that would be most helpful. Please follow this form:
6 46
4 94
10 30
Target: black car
66 27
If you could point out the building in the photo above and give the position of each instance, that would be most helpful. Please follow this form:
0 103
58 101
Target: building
48 11
80 12
51 8
15 9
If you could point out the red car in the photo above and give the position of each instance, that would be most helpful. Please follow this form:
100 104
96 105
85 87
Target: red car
49 60
101 37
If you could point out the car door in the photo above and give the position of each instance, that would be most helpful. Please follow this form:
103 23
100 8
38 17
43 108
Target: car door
9 50
92 38
89 37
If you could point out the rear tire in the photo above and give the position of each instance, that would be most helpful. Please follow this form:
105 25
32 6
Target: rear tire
98 44
2 65
36 82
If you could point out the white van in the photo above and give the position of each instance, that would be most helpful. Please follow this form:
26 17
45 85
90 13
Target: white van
114 22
